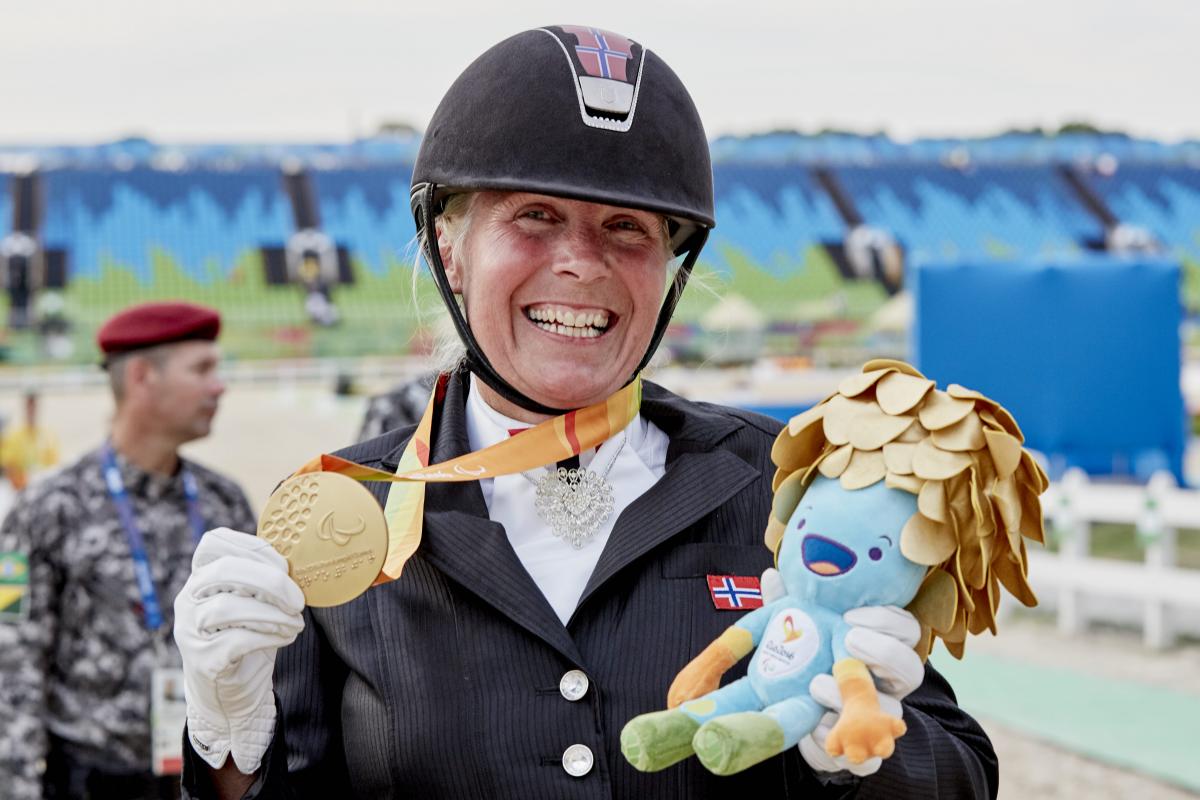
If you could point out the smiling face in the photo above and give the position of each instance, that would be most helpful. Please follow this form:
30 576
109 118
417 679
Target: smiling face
841 547
562 295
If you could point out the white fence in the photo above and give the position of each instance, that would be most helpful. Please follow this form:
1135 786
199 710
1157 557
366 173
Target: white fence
1155 593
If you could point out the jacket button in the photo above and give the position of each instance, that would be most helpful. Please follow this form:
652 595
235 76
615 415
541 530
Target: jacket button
573 685
577 760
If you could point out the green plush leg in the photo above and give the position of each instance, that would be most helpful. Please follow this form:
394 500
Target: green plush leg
655 741
732 743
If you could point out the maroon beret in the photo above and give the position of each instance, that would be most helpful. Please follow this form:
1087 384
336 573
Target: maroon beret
151 324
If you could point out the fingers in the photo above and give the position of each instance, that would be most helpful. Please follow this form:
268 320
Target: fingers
238 600
246 577
814 752
889 620
224 653
771 584
221 542
816 744
896 667
816 756
824 690
226 612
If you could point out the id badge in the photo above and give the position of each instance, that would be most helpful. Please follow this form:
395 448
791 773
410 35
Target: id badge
168 715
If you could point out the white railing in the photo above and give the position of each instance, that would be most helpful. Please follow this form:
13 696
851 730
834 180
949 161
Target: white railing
1154 593
377 372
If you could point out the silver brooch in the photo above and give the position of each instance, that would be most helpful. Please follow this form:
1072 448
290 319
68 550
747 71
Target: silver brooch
574 503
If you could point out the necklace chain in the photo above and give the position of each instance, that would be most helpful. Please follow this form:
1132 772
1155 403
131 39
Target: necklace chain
574 503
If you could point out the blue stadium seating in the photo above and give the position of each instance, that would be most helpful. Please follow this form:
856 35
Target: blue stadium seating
1163 199
366 209
986 212
204 220
5 204
771 214
1013 148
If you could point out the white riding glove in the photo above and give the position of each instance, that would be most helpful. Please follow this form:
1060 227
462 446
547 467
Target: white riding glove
238 607
883 638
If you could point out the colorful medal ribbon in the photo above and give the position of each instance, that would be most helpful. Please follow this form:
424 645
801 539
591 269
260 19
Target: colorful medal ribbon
547 442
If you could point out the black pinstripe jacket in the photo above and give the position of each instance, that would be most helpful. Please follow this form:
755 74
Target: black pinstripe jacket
444 684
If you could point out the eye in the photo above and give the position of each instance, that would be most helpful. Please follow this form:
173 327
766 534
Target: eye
627 226
800 524
875 553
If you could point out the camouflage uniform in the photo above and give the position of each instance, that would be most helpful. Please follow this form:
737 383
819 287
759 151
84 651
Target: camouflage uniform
78 668
396 408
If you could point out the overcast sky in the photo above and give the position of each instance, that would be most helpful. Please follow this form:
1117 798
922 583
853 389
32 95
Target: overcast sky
221 70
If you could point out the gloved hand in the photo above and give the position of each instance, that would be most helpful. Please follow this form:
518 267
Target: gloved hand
238 607
824 690
883 638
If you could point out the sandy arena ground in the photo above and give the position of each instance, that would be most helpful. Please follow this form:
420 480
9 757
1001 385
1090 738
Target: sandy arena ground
263 432
1032 769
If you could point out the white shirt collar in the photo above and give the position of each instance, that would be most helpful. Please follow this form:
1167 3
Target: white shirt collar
560 570
486 426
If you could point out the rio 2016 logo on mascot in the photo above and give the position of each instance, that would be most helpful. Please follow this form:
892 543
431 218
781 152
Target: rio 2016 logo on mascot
889 492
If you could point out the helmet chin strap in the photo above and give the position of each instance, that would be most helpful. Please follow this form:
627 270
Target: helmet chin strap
477 361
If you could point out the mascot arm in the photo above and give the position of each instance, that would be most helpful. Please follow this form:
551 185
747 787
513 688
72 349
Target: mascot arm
863 729
703 673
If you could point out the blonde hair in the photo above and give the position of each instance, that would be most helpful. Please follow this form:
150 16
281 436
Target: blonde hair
960 452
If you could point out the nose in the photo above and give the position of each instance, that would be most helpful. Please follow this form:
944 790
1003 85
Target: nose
583 255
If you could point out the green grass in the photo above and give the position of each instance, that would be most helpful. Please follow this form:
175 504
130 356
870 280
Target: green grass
1191 285
378 311
811 291
259 321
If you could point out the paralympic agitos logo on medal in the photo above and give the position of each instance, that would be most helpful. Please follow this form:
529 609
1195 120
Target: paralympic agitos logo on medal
329 532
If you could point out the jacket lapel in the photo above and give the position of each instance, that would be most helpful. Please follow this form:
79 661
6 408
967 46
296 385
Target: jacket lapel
699 479
469 548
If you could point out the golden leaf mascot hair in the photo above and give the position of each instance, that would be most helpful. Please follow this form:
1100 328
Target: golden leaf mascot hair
960 453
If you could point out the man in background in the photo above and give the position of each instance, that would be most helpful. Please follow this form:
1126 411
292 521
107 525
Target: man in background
95 555
27 447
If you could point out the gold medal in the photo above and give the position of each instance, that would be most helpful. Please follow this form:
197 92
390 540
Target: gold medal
332 533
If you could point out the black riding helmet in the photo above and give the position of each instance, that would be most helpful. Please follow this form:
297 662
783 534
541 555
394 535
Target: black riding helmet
575 112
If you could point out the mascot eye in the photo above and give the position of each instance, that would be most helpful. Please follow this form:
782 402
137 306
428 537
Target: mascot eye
875 553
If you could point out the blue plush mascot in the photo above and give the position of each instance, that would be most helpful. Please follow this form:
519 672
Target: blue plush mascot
890 492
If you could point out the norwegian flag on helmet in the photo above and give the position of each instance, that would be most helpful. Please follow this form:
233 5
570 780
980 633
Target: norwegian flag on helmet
607 68
602 54
735 592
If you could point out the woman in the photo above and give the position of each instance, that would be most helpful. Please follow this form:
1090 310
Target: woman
558 177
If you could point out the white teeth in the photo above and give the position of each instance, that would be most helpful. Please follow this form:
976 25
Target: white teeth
568 319
563 330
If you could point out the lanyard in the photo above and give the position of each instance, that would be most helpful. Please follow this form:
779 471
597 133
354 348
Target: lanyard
549 441
137 545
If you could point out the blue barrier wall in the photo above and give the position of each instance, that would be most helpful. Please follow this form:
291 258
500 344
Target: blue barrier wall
1086 354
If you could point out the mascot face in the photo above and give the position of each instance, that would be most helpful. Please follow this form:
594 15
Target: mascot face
841 548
